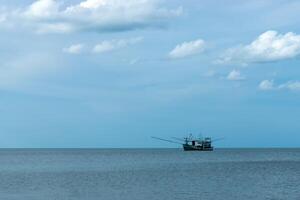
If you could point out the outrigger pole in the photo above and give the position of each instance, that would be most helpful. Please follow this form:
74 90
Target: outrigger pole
165 140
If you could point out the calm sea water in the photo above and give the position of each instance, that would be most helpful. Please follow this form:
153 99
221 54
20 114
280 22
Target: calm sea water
139 174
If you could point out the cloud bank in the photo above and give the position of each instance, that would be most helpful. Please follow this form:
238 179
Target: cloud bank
91 15
268 47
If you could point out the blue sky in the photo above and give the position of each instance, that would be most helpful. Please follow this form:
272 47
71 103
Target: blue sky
111 73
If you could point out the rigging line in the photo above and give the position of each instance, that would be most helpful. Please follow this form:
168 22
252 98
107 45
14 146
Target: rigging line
165 140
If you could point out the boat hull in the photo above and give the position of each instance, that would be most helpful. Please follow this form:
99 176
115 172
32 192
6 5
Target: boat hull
187 147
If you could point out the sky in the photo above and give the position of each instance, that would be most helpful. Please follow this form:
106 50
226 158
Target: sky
113 73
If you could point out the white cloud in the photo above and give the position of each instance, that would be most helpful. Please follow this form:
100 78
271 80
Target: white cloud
91 15
266 85
290 85
235 75
55 28
269 46
92 3
187 49
74 49
42 9
110 45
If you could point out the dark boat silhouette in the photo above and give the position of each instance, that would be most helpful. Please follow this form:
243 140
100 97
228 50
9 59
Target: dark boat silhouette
192 144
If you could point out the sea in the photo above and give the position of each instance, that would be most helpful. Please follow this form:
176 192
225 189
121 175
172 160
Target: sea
154 174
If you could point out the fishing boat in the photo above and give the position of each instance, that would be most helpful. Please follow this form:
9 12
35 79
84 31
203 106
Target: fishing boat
192 144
